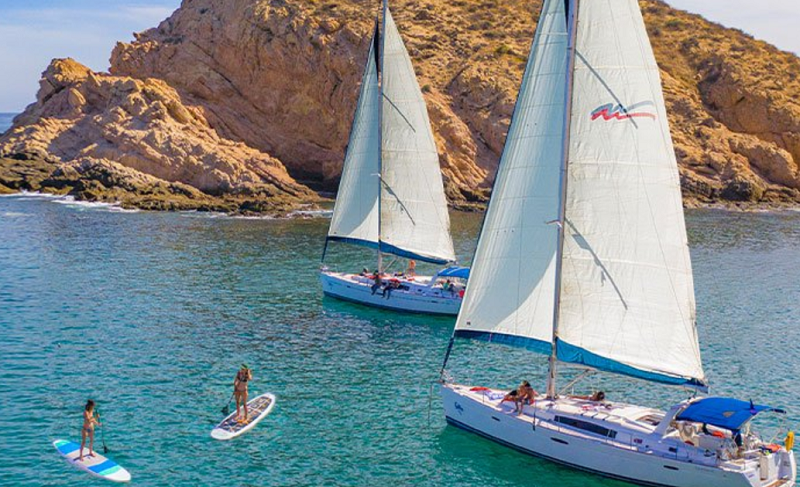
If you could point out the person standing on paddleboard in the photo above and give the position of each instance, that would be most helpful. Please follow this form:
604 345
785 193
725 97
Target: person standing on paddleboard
240 391
89 422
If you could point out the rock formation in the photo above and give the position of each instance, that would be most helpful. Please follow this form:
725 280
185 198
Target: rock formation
257 96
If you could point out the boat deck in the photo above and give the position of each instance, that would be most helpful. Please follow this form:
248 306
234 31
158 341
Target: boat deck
624 415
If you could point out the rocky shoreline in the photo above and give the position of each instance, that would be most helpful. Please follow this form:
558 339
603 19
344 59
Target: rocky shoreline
254 117
108 182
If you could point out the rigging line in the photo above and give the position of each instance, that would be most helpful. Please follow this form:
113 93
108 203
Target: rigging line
584 244
605 85
572 27
390 191
383 95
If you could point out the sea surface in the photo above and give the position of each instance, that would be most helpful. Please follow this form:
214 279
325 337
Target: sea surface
5 121
150 314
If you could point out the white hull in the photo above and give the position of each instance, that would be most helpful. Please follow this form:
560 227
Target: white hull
634 454
419 297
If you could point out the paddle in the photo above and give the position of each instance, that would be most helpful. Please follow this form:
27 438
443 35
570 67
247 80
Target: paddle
227 410
102 434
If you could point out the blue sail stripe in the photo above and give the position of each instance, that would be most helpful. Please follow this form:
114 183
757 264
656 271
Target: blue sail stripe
389 249
354 241
538 346
577 355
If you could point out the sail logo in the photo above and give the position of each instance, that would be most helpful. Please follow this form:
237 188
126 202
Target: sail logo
612 111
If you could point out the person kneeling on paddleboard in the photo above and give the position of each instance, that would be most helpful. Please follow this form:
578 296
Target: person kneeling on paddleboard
240 391
89 422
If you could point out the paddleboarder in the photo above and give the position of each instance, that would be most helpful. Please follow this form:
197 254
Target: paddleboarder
89 422
240 391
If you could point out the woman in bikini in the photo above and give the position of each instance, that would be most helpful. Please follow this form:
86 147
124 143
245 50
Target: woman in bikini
89 422
240 391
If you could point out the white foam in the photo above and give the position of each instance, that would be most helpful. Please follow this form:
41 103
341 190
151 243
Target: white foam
69 200
312 213
34 195
92 205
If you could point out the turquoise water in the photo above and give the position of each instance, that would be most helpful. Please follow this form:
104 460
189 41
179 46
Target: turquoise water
150 314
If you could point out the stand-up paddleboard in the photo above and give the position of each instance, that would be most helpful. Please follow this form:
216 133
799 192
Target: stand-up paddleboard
98 465
257 409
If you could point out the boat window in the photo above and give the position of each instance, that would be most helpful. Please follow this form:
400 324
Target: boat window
586 426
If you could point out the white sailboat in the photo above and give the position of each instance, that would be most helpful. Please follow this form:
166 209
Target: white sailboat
584 257
391 197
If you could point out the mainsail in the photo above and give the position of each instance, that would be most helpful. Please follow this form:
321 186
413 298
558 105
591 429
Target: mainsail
391 196
509 296
414 218
625 303
627 295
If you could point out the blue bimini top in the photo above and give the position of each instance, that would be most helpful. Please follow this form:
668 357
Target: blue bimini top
730 414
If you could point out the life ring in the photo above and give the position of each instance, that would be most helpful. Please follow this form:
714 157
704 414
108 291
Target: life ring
479 389
789 443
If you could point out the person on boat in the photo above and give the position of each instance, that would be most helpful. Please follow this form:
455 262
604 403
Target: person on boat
240 391
598 396
364 272
89 422
522 395
412 268
391 286
377 284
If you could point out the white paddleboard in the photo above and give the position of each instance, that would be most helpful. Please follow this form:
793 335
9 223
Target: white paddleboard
98 465
257 409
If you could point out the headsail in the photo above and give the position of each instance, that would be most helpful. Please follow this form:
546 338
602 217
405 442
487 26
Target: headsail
627 295
510 292
355 215
413 208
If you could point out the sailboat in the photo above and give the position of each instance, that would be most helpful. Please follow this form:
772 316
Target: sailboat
391 196
583 257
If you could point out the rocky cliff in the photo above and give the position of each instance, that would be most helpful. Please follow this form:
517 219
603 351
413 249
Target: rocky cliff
257 97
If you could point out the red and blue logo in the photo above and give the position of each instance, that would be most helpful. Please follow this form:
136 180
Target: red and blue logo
611 111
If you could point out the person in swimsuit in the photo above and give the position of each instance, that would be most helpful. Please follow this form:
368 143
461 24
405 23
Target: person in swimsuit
240 391
89 422
522 395
377 282
598 396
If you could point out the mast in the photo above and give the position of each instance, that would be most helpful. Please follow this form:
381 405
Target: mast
382 34
572 22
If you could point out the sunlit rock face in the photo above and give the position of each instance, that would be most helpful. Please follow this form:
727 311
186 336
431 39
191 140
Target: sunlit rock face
231 94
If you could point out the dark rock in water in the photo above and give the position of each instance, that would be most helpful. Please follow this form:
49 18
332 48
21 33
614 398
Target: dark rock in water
742 190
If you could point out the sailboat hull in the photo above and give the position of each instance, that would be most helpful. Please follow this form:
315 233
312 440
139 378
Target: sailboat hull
418 297
536 434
